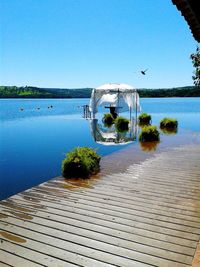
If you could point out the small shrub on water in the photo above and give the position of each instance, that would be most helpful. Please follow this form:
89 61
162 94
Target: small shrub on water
144 119
149 133
168 123
121 124
81 162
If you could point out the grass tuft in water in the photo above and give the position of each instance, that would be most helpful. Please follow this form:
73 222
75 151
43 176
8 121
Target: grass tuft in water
144 119
80 163
168 123
149 133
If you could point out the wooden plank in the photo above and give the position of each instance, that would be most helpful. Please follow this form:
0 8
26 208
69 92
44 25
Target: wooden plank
2 264
129 195
187 185
11 259
146 216
129 232
92 194
117 238
115 255
128 192
168 222
135 221
34 252
64 249
44 251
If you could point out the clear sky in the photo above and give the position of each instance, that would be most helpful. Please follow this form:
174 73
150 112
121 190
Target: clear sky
85 43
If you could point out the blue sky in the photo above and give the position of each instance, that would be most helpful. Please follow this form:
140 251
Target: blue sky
85 43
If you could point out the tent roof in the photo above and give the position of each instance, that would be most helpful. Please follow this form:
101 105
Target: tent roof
115 86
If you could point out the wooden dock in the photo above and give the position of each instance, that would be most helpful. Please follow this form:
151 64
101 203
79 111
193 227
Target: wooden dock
148 215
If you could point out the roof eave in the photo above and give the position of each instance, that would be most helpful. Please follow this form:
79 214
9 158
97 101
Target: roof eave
191 14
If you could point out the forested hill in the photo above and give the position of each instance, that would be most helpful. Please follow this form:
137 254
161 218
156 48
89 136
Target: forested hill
36 92
187 91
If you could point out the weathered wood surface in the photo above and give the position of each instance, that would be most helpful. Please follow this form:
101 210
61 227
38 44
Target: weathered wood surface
148 215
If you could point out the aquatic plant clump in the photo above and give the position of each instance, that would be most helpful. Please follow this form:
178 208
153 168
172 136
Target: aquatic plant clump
81 163
121 124
149 133
108 119
168 123
144 118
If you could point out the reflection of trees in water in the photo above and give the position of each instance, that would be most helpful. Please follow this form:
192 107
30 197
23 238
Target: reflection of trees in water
110 136
169 130
149 146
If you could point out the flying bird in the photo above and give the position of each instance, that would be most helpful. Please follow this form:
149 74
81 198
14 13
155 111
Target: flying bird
144 71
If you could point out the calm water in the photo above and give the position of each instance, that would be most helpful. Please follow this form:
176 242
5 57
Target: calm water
34 141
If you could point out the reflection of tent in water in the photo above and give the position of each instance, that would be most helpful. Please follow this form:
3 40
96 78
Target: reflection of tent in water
109 136
119 97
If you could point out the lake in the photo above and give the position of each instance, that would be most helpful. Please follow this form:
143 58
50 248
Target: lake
36 134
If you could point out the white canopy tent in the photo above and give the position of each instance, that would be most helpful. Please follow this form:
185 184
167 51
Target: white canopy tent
113 94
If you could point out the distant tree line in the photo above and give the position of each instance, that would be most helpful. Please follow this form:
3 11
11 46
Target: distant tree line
187 91
35 92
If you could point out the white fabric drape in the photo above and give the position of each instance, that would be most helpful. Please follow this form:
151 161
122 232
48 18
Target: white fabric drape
111 95
109 98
